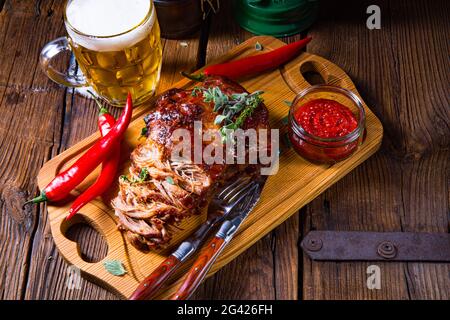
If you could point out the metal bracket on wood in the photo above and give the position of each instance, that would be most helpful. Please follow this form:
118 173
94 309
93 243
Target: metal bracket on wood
377 246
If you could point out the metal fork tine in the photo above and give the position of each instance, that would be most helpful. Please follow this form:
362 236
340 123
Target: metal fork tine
234 187
228 188
235 190
238 193
249 192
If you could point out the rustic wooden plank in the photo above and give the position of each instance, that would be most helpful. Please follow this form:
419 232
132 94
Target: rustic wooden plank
425 190
269 269
30 108
49 273
363 200
398 69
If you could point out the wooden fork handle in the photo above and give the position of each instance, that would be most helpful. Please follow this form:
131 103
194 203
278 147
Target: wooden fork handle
150 285
200 268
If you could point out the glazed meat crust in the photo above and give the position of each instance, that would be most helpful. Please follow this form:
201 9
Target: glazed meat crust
173 189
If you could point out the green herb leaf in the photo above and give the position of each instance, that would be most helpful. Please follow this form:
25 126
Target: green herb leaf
285 120
288 103
195 91
219 119
170 180
215 95
252 103
144 131
239 96
143 175
115 267
258 46
237 106
124 178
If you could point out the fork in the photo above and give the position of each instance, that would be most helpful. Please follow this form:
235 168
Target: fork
217 244
218 210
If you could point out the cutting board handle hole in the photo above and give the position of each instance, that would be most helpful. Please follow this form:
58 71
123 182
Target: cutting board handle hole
313 73
92 246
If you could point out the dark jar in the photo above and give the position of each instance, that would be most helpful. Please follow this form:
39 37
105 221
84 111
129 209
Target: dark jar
179 18
327 150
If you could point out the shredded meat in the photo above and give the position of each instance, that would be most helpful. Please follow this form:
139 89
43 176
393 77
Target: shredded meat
173 189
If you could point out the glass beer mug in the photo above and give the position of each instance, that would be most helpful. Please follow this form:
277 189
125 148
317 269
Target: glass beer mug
116 44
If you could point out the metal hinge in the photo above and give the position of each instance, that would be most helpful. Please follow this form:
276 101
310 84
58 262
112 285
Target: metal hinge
377 246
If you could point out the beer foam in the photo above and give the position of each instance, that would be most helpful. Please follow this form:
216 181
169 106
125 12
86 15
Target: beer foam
102 22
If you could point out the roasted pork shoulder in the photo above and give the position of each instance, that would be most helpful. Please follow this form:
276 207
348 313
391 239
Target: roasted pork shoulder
160 191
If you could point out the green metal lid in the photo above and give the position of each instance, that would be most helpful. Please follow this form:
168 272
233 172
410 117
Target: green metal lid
276 17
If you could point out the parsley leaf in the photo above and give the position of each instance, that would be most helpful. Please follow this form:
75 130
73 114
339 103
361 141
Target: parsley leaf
143 175
115 267
170 180
144 131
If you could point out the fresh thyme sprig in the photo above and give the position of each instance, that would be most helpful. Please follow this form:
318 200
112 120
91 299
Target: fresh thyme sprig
247 103
252 101
234 109
215 95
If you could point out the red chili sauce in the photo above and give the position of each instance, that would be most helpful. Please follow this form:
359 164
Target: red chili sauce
326 119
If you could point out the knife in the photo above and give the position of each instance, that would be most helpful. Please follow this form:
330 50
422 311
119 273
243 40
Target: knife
150 286
210 253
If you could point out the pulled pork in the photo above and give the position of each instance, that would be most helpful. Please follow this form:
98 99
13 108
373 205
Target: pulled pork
160 191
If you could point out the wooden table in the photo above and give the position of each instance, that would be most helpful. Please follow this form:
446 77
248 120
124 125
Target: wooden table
400 70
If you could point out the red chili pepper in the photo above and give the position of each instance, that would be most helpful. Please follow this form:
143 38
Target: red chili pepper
109 167
254 64
67 180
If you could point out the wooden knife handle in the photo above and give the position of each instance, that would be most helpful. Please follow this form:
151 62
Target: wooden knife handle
150 286
199 269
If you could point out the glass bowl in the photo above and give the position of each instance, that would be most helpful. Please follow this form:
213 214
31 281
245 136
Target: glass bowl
331 149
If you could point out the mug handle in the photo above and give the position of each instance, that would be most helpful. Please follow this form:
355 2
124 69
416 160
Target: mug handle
51 50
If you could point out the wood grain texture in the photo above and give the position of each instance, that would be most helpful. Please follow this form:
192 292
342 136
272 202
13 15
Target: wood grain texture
400 70
28 136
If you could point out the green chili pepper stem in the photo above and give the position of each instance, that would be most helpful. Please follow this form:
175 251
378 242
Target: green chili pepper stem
41 198
195 77
102 110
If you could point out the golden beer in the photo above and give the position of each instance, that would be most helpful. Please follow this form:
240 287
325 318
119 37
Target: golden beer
113 74
117 46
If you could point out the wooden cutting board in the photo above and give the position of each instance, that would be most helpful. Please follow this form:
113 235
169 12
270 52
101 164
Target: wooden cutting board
296 183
